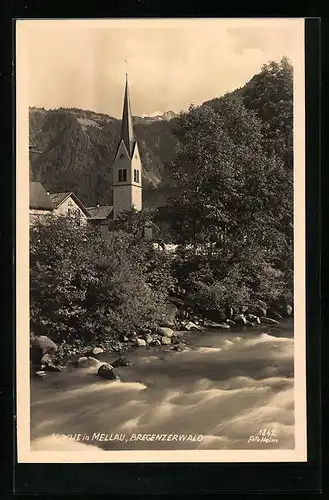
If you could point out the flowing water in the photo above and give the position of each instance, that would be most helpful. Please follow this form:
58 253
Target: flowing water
224 389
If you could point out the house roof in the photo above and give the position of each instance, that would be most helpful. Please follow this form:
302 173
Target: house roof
59 198
39 199
101 212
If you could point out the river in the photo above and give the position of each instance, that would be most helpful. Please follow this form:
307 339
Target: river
225 388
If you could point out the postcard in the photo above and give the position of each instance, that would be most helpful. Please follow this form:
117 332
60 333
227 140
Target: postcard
160 255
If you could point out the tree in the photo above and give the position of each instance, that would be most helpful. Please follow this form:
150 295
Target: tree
270 95
232 200
87 287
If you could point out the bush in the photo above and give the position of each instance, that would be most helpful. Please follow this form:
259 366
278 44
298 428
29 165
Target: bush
86 287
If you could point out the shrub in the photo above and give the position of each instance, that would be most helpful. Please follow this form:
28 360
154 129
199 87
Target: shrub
83 286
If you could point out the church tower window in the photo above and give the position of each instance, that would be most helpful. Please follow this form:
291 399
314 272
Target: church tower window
123 175
136 175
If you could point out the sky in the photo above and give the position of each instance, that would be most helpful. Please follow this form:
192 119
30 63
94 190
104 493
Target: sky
170 63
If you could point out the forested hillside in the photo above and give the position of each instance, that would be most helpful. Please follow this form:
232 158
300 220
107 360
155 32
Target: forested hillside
77 149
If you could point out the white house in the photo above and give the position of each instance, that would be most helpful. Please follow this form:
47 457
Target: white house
68 205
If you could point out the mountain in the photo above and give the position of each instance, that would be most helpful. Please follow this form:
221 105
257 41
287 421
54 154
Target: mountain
77 149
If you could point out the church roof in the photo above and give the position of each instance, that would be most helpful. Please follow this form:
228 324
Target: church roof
127 129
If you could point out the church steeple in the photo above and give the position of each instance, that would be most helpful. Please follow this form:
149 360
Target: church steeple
127 165
127 129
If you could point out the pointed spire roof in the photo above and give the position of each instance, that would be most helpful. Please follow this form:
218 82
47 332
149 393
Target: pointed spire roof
127 129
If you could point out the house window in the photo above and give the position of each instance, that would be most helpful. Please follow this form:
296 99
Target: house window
69 212
123 175
136 175
122 156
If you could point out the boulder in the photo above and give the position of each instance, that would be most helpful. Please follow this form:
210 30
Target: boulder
240 319
230 322
85 361
223 326
169 316
121 362
45 344
253 319
148 338
190 326
165 331
156 342
166 341
46 363
107 371
216 326
140 342
97 350
39 346
289 310
41 374
269 321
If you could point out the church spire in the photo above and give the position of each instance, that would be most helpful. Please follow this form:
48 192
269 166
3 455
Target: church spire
127 130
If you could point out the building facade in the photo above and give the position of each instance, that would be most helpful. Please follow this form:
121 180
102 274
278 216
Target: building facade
68 205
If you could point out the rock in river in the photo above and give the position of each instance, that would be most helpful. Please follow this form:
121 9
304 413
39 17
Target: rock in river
190 326
41 345
216 326
269 321
48 364
140 342
253 319
107 371
165 331
148 338
97 350
45 344
165 341
121 362
85 361
289 310
240 319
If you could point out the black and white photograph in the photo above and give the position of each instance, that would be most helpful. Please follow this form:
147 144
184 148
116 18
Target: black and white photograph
160 240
